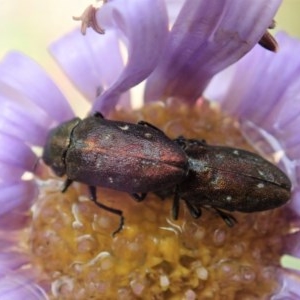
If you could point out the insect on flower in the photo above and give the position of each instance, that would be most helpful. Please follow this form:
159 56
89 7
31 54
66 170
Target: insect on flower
230 179
133 158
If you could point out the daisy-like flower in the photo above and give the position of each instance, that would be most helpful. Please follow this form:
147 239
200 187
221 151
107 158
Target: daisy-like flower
68 251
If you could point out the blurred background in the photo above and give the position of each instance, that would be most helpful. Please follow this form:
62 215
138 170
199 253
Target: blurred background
30 26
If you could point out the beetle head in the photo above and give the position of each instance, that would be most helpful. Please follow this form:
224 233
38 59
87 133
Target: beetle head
57 143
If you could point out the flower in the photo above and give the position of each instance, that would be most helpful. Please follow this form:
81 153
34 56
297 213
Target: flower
206 37
211 34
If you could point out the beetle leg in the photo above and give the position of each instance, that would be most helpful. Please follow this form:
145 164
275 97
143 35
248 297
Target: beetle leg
93 192
228 218
146 124
176 204
139 197
98 114
66 185
107 208
195 212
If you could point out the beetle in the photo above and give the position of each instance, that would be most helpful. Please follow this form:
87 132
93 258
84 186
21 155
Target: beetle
229 179
133 158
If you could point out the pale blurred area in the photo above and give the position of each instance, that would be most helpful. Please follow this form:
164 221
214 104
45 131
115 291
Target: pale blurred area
29 26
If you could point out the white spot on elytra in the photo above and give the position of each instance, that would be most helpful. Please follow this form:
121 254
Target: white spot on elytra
261 173
125 127
148 135
110 179
228 198
236 152
260 185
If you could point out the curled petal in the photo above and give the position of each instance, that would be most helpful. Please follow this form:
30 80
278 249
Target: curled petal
207 37
145 28
29 79
92 62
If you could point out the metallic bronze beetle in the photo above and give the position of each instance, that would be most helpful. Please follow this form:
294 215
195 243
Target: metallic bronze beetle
230 179
133 158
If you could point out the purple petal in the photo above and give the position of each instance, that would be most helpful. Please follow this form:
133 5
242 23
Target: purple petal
12 261
17 154
10 173
15 221
173 9
15 201
29 79
290 291
295 203
21 118
292 241
264 93
6 242
144 25
207 37
92 62
18 287
271 80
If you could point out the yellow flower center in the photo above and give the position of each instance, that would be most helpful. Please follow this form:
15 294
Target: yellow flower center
155 257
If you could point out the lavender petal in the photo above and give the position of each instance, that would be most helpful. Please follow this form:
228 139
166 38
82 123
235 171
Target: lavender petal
11 261
21 118
17 154
173 9
10 172
291 283
29 79
18 287
207 37
145 28
264 93
92 62
15 221
16 198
